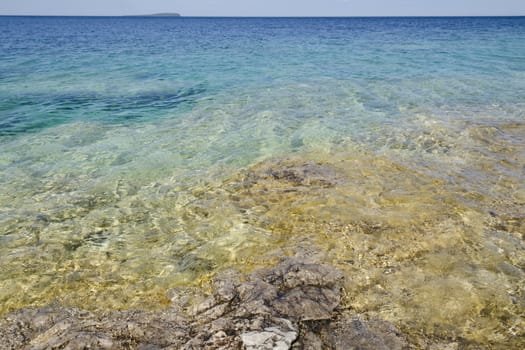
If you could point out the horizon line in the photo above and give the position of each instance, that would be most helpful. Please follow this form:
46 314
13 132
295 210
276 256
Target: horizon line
272 16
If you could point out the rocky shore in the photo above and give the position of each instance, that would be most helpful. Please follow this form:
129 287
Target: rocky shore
382 274
295 305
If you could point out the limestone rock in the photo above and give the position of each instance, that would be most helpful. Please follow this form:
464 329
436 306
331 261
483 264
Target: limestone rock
270 338
292 305
305 291
308 303
278 337
354 332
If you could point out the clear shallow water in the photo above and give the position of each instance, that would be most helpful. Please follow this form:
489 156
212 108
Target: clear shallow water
135 155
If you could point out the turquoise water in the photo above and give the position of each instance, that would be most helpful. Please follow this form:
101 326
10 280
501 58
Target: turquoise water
122 140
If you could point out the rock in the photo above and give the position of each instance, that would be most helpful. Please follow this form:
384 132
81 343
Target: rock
305 174
225 290
284 175
257 290
308 303
204 306
270 338
353 332
212 314
444 346
296 274
79 341
222 341
309 341
280 338
293 304
305 291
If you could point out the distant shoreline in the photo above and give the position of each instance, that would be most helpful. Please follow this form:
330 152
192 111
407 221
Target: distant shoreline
163 14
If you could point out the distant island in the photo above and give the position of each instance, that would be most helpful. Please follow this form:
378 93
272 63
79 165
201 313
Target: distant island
163 14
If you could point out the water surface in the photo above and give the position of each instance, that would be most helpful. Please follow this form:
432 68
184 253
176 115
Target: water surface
143 154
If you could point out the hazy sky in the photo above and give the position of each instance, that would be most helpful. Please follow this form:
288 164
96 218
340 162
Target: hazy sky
266 7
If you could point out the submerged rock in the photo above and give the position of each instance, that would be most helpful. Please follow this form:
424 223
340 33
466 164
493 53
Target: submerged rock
354 332
292 174
70 328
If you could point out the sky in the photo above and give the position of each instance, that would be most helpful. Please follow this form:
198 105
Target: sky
266 7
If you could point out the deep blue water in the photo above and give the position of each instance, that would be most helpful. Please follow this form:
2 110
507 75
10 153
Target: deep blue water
110 69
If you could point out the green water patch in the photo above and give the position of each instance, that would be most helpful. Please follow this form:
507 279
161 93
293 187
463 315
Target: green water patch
31 113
